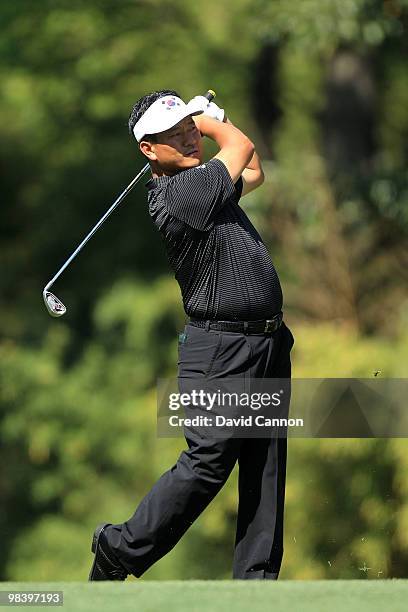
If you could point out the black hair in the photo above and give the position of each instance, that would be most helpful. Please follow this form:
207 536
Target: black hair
141 106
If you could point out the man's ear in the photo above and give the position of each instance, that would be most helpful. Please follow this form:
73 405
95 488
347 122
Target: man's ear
147 148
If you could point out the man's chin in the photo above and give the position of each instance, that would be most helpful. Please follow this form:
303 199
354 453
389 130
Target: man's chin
184 164
192 161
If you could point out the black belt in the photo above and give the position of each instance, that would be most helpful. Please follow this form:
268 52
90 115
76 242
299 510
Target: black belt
264 326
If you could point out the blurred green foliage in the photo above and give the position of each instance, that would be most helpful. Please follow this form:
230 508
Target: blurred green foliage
322 88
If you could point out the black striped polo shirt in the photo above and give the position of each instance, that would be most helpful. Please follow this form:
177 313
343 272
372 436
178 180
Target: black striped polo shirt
219 260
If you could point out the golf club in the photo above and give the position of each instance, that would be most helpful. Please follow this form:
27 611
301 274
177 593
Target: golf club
54 306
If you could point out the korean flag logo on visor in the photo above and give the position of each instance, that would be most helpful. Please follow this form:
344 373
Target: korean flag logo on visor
170 103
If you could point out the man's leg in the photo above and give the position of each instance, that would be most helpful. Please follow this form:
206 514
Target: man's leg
184 491
259 538
173 503
262 475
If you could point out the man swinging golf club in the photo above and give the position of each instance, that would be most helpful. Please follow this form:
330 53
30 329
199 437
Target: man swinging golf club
232 296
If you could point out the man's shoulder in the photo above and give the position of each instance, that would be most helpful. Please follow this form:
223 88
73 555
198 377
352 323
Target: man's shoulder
210 167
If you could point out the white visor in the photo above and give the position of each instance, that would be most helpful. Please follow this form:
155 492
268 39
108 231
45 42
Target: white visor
164 114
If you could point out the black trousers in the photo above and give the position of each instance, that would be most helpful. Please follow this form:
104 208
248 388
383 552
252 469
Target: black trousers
185 490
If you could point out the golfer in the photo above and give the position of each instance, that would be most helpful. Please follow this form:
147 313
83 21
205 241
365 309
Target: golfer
232 296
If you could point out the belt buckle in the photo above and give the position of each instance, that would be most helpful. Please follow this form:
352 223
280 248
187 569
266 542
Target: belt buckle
268 326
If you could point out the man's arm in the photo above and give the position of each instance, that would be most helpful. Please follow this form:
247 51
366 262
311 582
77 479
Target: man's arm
197 195
252 175
236 150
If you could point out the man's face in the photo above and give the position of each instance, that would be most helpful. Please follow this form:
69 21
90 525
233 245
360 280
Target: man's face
178 148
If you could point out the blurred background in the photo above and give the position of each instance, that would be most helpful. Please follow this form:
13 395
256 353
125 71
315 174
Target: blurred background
321 86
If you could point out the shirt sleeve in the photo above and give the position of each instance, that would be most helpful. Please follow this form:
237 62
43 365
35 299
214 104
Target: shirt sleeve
195 196
239 185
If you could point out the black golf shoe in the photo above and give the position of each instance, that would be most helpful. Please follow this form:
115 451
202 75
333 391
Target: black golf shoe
105 566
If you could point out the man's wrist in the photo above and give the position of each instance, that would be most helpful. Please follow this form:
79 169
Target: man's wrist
203 122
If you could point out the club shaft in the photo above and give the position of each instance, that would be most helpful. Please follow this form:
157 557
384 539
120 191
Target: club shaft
98 225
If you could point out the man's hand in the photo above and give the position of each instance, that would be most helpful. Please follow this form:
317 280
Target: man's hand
210 109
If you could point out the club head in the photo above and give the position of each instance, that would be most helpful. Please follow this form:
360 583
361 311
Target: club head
54 306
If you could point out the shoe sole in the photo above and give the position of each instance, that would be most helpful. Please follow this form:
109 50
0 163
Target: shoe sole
95 542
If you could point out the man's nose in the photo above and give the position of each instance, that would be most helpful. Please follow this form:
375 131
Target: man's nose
186 137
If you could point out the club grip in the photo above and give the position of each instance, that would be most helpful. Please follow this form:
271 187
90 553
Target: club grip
210 95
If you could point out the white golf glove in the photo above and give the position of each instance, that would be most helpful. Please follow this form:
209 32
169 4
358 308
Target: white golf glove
209 108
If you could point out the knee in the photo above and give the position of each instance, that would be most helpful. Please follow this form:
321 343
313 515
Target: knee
211 472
